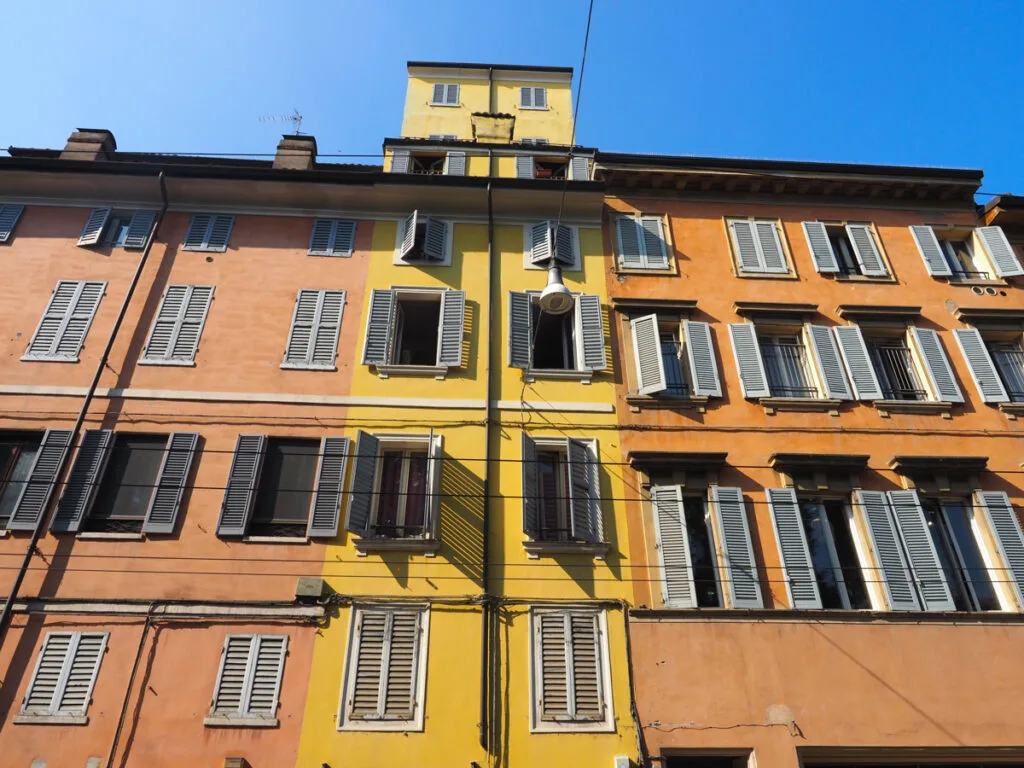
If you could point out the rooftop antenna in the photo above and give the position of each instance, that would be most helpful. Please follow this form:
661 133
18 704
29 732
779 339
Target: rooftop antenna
294 118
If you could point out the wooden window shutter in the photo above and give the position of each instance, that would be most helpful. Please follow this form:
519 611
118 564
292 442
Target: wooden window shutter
568 649
940 372
538 243
565 244
930 250
917 541
249 680
165 504
1000 252
652 229
399 161
579 168
700 352
452 326
66 320
741 570
385 665
408 236
361 499
551 645
866 250
678 590
587 684
584 492
399 695
240 492
37 490
797 568
746 352
83 481
9 215
65 674
330 483
209 232
93 229
590 322
220 233
896 579
139 227
747 253
824 257
1005 526
520 330
650 368
983 370
630 253
316 323
772 256
379 322
332 237
531 488
179 323
830 363
455 163
267 671
858 362
232 679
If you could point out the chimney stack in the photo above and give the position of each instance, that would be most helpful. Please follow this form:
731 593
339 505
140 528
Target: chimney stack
296 153
90 144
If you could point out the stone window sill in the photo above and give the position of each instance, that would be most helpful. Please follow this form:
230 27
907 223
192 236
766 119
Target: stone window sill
51 720
864 278
1012 410
437 371
307 367
222 721
767 275
275 540
653 271
537 549
428 547
178 363
828 405
583 377
48 359
639 402
886 407
972 281
104 536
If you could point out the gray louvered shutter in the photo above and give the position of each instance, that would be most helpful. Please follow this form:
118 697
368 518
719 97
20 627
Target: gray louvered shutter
531 485
190 323
372 635
343 238
673 544
38 487
652 229
400 161
771 246
165 503
83 481
220 233
452 94
896 579
240 492
930 250
579 168
525 96
456 165
66 320
408 236
584 495
564 246
1003 523
650 368
435 242
377 346
330 483
439 91
830 365
265 681
797 568
551 645
520 330
747 251
321 237
80 673
360 494
524 166
740 567
747 353
453 322
587 680
864 248
327 329
1000 252
165 326
316 323
858 362
920 549
300 337
232 685
983 370
83 310
9 215
399 694
937 364
630 255
591 325
195 237
93 229
47 682
138 230
538 243
700 351
821 248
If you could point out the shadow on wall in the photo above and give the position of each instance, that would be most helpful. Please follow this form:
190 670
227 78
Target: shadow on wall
461 518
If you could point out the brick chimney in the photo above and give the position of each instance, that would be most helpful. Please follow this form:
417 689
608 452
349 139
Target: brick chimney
296 153
90 144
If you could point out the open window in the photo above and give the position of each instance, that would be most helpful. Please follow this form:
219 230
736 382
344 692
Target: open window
9 215
845 249
673 358
995 358
571 345
546 239
966 253
423 240
415 330
18 452
429 162
394 498
117 228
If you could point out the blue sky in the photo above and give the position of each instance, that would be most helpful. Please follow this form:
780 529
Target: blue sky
911 82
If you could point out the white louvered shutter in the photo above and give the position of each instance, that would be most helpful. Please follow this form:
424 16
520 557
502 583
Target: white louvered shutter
439 92
232 679
565 245
678 590
983 370
316 323
579 168
38 487
179 323
652 230
531 487
379 327
452 326
408 236
361 498
830 365
139 227
384 669
83 481
772 255
267 671
1000 252
66 321
630 253
399 694
372 636
866 250
551 646
650 368
332 237
400 161
896 579
93 229
65 674
456 164
240 491
249 681
325 511
9 215
920 549
930 250
858 362
451 95
940 372
821 247
81 674
164 330
745 242
520 330
524 166
1005 526
525 96
435 242
747 353
797 568
165 503
700 351
590 322
537 243
740 566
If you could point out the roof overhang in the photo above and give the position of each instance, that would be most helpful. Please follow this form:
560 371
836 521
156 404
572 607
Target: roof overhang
474 71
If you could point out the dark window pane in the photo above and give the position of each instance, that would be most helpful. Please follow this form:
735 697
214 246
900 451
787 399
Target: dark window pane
551 485
390 493
128 481
553 340
846 554
416 496
974 568
826 570
417 332
702 553
671 357
785 363
843 250
1009 359
948 559
17 454
286 485
895 369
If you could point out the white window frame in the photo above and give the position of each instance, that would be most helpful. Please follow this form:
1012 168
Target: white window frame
994 571
577 256
637 219
413 293
716 549
552 444
416 724
917 361
533 94
54 715
447 89
577 372
397 259
433 444
537 725
810 362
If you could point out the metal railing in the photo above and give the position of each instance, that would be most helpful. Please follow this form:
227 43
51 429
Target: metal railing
785 362
895 370
1009 359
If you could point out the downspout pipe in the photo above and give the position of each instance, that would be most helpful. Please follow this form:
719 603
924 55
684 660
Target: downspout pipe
131 684
37 532
485 609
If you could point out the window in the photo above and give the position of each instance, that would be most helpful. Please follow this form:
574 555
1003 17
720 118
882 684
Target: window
541 342
18 451
757 246
571 684
445 95
117 228
249 680
674 358
409 328
9 215
845 249
546 239
423 239
443 136
894 366
561 491
966 254
534 142
283 486
436 163
1009 360
174 338
127 483
63 679
23 501
385 672
66 320
332 237
642 242
785 362
533 98
208 232
316 323
996 364
950 523
395 487
686 549
907 366
828 528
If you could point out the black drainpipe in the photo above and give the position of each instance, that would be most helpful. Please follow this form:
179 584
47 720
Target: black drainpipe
131 684
485 608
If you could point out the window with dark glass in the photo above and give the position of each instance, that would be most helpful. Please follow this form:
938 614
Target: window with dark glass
127 484
401 494
961 258
116 229
843 249
1009 359
949 523
895 368
553 343
702 552
833 553
285 490
676 369
17 455
416 326
786 365
550 169
431 163
553 496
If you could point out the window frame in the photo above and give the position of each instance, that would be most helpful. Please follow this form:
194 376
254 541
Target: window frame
204 245
577 372
533 97
808 366
438 370
916 367
784 246
666 239
53 714
942 501
577 254
7 470
447 89
849 514
397 259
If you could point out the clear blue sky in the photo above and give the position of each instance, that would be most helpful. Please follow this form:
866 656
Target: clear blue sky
917 82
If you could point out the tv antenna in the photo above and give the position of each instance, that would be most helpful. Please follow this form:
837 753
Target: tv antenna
294 118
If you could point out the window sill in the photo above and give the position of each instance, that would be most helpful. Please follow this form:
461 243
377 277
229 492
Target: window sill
767 275
204 250
976 281
886 407
222 721
442 104
537 549
103 536
51 720
307 367
427 546
570 726
275 540
535 109
864 278
178 363
654 271
583 377
48 359
383 726
1012 410
439 372
805 404
639 402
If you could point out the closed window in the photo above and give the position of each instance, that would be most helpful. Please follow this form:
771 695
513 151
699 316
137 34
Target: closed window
208 232
445 95
385 671
543 342
845 249
641 242
332 237
415 328
786 364
174 337
757 246
828 528
64 677
533 97
313 336
65 322
423 239
951 525
248 684
18 451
